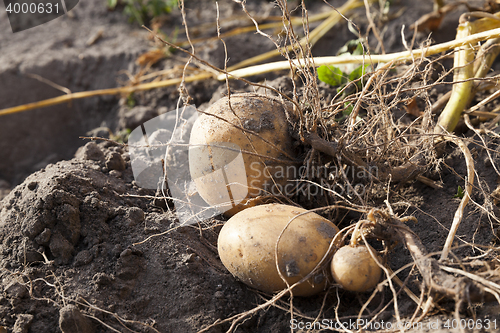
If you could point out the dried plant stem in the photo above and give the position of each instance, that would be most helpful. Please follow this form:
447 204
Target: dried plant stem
469 125
314 36
485 101
428 267
355 111
464 70
260 69
251 28
397 57
103 92
492 285
486 56
400 283
468 190
334 17
438 4
464 89
484 60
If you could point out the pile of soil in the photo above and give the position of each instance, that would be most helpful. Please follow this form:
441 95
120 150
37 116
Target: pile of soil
75 249
67 236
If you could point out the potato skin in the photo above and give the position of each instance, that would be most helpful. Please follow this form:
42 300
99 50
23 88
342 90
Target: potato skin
247 243
354 268
264 115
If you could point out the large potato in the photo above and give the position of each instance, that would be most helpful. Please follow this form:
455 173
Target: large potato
247 247
355 269
241 148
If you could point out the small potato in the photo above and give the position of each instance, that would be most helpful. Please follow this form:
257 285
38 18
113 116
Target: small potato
247 247
354 268
241 148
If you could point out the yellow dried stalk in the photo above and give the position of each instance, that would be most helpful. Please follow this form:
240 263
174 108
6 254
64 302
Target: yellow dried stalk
325 26
464 71
398 57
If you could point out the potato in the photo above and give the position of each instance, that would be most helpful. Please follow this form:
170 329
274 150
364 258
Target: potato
236 148
247 244
354 268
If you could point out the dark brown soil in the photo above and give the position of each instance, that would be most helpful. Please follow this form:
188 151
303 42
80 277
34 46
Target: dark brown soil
68 261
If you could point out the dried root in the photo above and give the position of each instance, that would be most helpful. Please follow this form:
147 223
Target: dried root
438 278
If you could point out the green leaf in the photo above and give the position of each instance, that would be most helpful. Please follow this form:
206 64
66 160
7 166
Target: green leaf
112 4
358 50
352 47
331 75
460 192
358 72
130 100
348 107
143 11
346 111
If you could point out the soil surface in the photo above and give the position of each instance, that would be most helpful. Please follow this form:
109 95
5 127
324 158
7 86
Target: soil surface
76 252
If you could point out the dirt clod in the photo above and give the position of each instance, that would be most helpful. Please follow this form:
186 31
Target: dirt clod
90 152
71 320
23 323
114 161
